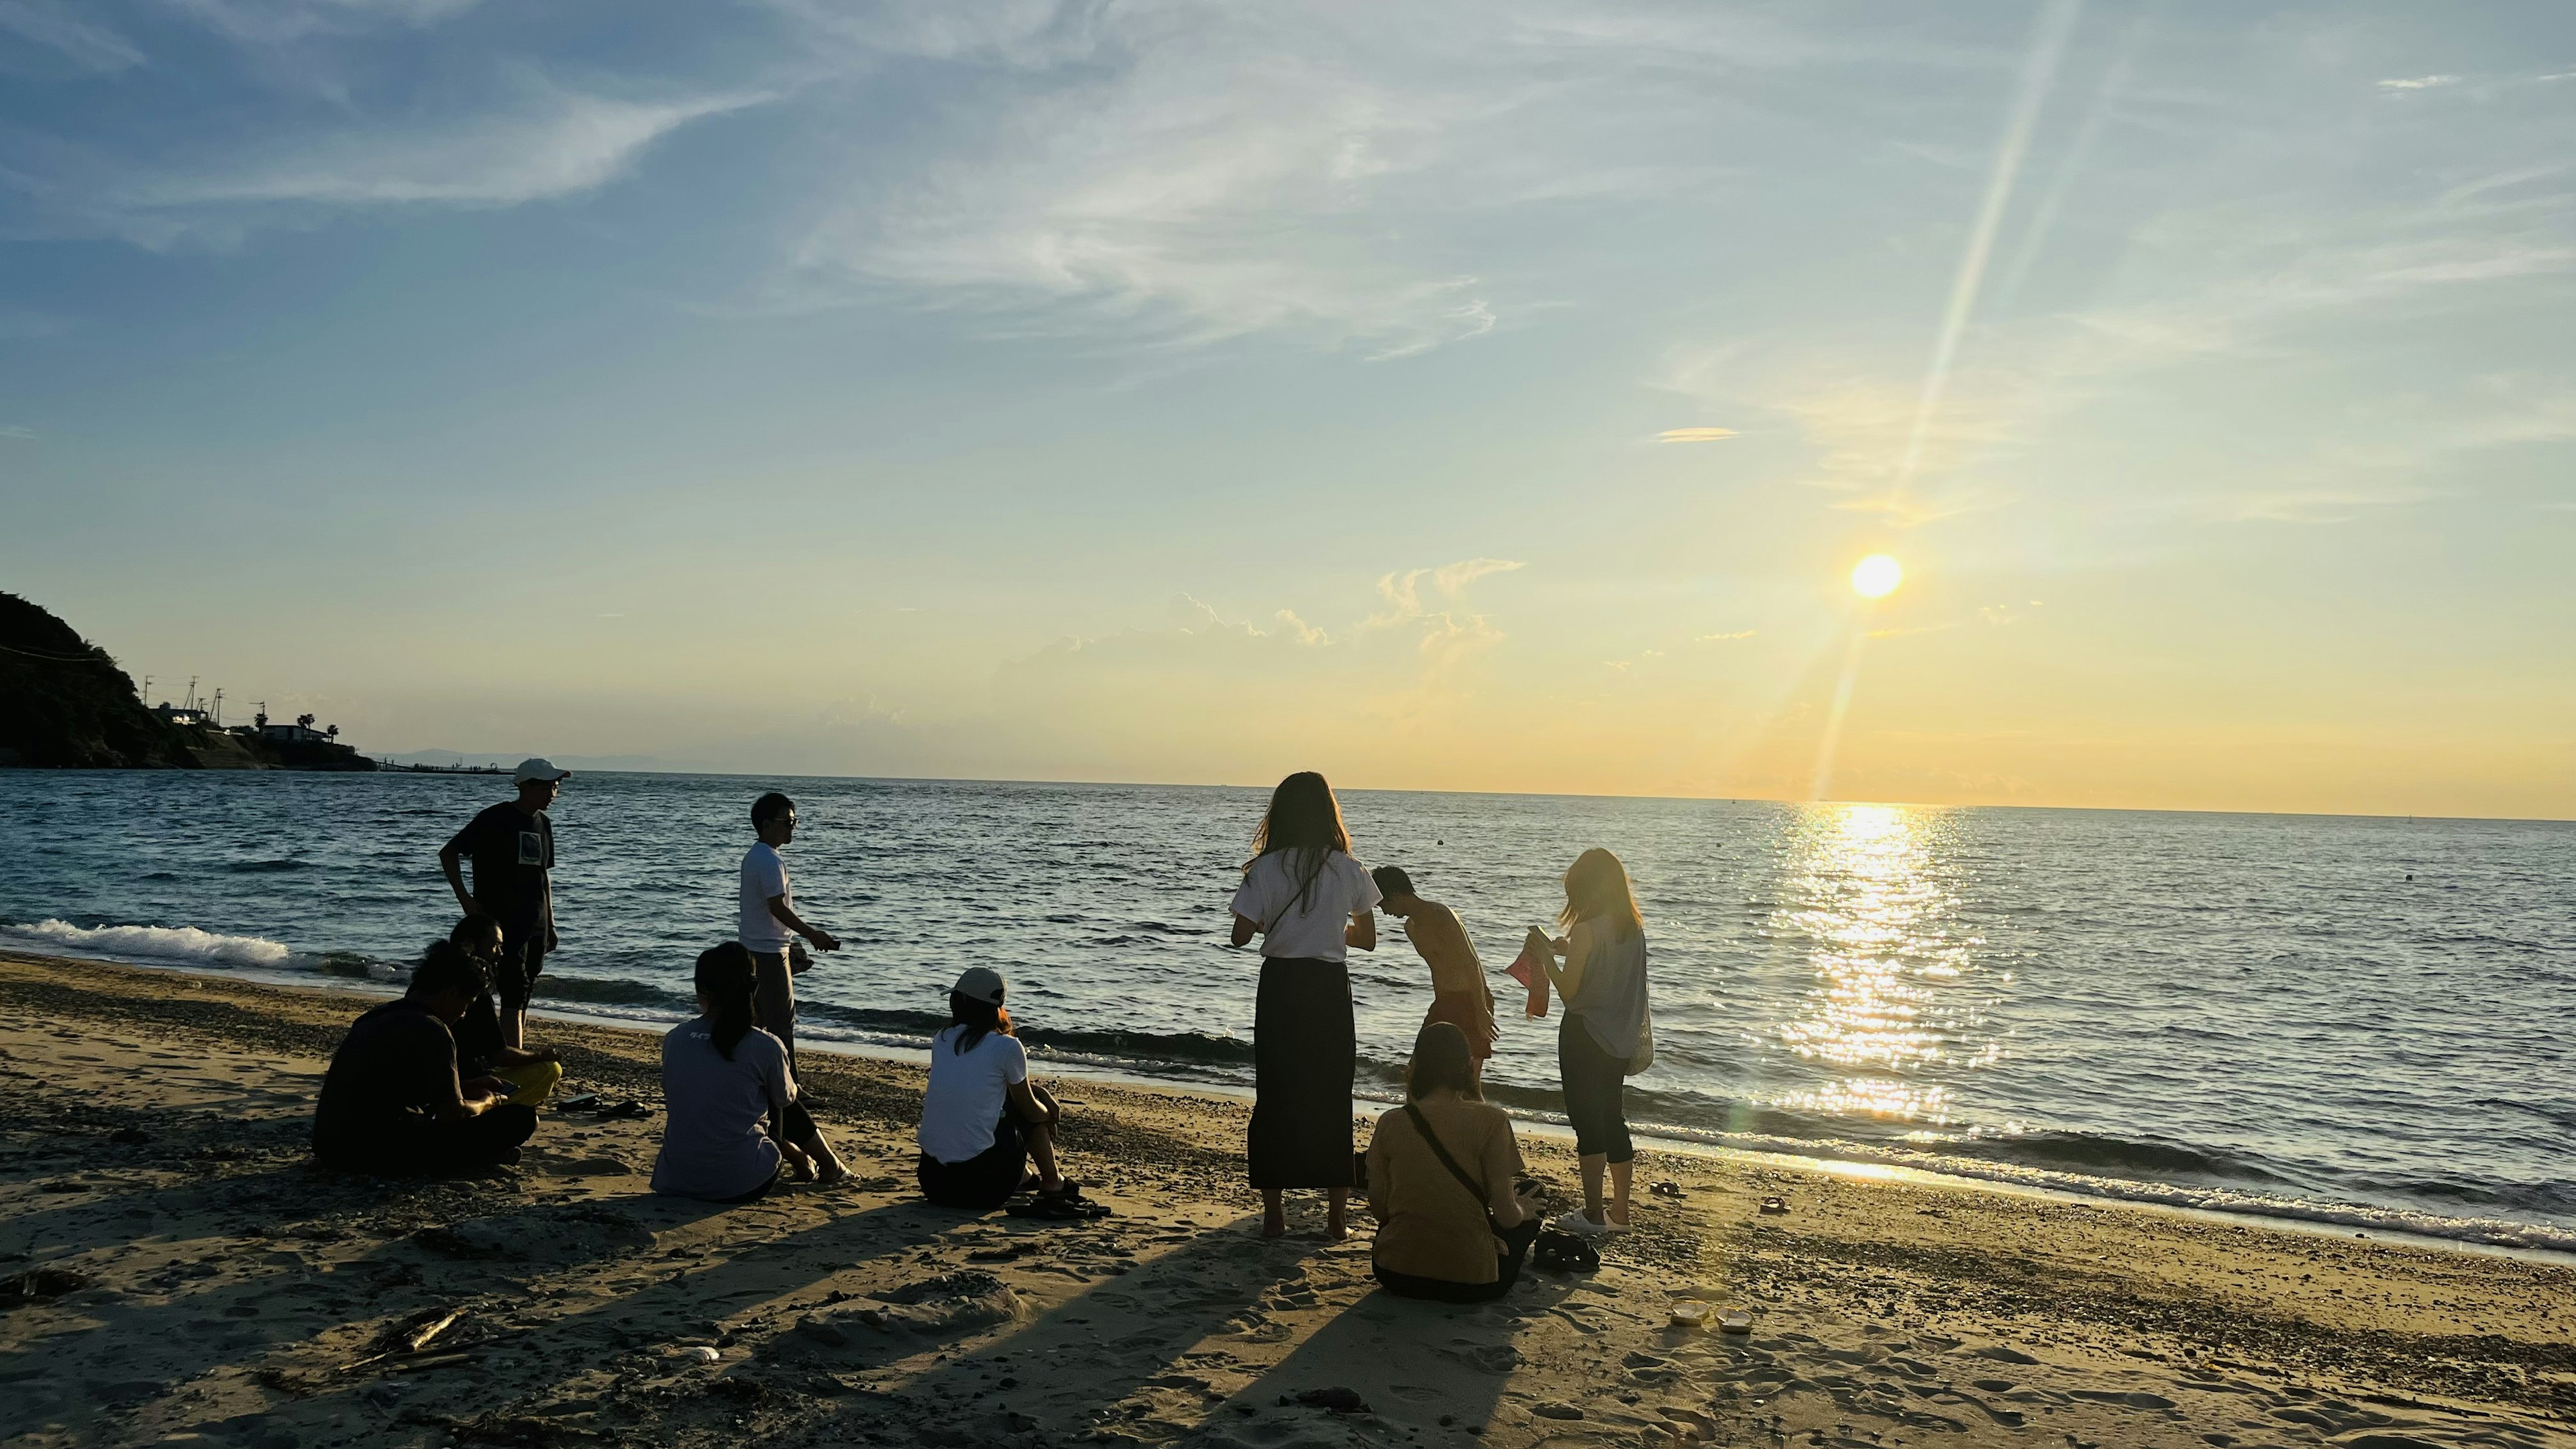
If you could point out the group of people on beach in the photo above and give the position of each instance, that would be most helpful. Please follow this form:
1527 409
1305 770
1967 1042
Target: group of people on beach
442 1082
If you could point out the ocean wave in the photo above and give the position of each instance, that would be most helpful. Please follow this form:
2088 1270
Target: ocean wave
611 991
270 867
2234 1201
165 944
2117 1155
1139 1048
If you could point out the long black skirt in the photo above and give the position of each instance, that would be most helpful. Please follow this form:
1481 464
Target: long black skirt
1304 1052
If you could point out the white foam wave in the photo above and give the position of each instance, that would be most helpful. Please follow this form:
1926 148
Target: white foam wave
149 943
2491 1232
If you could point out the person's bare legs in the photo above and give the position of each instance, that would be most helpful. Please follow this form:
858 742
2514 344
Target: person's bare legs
1041 1140
1041 1137
1621 1174
1593 1162
808 1152
514 1029
1337 1201
1274 1218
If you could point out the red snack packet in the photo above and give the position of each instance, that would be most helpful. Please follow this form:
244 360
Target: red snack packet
1526 970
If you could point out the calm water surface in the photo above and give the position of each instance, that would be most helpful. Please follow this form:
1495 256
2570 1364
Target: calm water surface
2362 1020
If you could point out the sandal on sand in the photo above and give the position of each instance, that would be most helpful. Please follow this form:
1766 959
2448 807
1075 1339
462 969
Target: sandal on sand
1573 1221
1774 1206
1059 1207
1666 1189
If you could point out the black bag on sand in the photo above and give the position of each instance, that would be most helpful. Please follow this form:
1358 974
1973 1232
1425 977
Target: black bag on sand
1559 1251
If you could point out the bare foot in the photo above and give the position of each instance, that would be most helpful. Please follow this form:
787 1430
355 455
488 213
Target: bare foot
1274 1224
800 1168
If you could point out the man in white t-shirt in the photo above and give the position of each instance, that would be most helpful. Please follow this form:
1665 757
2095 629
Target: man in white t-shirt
770 923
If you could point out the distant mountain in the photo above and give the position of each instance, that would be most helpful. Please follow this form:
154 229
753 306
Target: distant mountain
639 764
65 705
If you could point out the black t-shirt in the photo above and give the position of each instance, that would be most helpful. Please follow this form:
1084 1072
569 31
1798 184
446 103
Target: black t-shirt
512 851
478 1038
397 1063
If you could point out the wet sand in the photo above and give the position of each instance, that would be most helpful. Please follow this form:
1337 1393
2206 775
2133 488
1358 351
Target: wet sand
176 1271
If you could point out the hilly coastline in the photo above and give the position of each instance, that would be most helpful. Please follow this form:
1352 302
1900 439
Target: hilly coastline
66 705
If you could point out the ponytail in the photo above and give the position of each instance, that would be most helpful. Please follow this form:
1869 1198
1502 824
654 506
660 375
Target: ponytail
726 978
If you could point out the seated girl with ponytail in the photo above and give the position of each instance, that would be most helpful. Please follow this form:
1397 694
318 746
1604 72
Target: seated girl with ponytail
722 1077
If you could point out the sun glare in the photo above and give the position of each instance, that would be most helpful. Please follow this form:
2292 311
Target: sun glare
1876 576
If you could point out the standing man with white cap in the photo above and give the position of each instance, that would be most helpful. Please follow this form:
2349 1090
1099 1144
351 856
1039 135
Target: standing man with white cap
512 845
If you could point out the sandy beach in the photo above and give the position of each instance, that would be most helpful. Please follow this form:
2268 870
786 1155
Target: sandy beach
178 1272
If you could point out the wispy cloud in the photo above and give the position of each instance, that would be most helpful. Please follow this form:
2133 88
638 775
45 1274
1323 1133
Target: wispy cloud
1722 638
564 144
1694 435
15 433
2419 83
1402 590
87 44
285 22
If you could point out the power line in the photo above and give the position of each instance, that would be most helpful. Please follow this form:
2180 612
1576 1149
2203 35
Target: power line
60 658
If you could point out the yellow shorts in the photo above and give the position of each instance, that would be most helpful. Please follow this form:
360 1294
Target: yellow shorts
535 1081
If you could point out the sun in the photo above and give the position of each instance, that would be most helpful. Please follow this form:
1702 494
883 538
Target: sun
1876 576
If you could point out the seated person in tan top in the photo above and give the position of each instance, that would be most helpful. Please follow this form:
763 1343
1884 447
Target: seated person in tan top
1459 994
1438 1236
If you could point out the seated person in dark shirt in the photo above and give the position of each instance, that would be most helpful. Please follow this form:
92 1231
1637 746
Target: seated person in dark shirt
391 1103
483 1061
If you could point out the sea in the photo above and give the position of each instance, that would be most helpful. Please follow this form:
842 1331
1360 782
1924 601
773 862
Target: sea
2355 1022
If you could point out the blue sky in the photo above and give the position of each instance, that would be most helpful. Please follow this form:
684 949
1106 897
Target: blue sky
1167 391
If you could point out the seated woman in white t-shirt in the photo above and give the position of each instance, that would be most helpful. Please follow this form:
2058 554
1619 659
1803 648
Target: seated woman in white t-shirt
722 1078
982 1120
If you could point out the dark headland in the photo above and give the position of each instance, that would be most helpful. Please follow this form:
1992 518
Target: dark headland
66 705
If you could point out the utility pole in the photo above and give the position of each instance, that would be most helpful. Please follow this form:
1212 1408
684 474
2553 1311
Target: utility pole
147 689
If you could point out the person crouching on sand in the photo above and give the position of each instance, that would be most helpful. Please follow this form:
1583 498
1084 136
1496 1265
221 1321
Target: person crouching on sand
1310 902
1440 1178
391 1102
983 1122
723 1079
483 1061
1459 995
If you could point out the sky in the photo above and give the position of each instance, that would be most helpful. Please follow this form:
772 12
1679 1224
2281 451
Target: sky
1443 396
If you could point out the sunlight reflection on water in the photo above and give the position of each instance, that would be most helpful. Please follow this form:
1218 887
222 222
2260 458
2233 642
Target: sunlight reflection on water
1868 900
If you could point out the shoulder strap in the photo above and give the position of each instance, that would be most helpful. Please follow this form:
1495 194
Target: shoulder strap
1423 1126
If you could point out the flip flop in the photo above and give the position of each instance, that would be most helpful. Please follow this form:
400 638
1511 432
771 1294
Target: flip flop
1573 1221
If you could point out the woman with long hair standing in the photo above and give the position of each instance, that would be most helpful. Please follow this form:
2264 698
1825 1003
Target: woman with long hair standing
1309 902
1605 1031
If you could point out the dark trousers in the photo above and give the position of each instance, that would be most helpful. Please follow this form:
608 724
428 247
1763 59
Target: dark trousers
773 1007
1304 1052
432 1147
523 958
985 1181
1596 1089
1507 1271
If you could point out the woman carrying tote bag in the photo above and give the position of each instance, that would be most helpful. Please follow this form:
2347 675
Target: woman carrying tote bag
1607 1035
1309 901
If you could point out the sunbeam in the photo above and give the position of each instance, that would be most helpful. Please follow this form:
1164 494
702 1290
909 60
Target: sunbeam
2055 24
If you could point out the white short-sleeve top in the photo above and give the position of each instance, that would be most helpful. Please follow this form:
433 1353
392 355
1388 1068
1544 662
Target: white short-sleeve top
1308 928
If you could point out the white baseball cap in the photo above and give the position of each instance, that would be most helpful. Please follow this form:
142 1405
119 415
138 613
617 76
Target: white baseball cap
534 769
980 983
